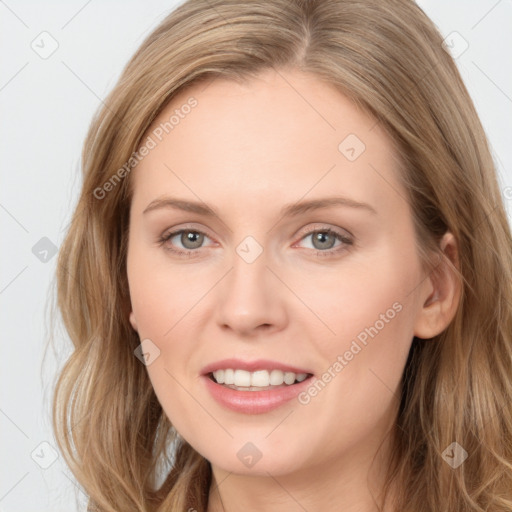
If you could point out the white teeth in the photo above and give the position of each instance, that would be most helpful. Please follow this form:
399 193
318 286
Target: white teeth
257 379
229 377
260 378
242 378
276 377
289 378
219 376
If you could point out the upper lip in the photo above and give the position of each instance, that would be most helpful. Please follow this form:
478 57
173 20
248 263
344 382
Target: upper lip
251 366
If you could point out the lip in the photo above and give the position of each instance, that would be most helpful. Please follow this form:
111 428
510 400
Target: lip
254 402
251 366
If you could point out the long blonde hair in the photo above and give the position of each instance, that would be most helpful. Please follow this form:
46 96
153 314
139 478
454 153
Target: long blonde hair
387 57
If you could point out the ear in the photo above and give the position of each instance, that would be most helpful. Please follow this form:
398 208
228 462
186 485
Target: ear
441 292
133 322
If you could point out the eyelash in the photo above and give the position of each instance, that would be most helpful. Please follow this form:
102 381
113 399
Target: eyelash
326 253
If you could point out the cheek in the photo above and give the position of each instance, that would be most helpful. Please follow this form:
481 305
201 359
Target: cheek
163 294
369 312
369 301
167 312
167 308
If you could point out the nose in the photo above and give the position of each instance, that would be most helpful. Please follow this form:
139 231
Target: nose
251 299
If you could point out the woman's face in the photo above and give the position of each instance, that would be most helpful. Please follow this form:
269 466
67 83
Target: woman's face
260 289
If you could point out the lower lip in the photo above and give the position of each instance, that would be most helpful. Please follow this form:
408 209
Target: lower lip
254 402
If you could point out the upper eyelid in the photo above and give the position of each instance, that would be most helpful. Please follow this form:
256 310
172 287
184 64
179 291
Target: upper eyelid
177 231
324 227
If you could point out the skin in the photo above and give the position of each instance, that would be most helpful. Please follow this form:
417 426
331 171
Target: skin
248 150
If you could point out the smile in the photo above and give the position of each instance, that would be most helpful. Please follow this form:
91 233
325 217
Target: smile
254 392
243 380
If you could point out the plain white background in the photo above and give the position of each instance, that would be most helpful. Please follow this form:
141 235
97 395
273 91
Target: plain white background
46 107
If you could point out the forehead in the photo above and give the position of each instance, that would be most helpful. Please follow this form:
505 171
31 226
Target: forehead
279 137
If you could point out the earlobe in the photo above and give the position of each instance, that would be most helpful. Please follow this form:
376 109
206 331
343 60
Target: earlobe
133 322
443 289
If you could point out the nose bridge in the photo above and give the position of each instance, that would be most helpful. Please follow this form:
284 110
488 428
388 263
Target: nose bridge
250 296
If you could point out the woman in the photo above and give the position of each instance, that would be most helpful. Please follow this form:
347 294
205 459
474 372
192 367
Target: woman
288 277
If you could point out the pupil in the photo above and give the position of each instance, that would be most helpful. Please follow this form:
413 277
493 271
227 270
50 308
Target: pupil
321 237
191 237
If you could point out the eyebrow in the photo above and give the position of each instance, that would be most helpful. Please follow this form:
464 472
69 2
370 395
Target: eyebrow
290 210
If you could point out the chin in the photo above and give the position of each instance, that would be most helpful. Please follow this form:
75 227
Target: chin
257 458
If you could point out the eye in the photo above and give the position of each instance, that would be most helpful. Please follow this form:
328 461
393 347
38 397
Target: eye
323 240
190 240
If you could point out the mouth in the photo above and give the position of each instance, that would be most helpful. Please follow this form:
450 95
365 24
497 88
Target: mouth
259 380
254 387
